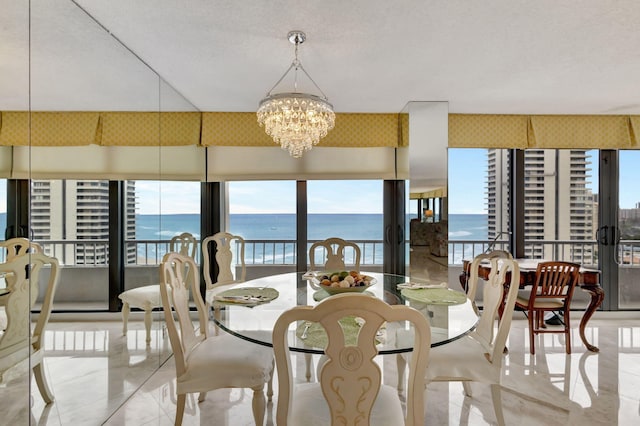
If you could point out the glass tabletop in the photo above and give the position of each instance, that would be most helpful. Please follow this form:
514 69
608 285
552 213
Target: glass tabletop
252 317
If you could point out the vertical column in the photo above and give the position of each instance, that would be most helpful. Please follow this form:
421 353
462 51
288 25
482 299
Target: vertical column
608 202
17 209
516 190
301 225
394 200
428 174
116 243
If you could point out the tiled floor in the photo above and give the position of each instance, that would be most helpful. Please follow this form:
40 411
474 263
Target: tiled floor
100 377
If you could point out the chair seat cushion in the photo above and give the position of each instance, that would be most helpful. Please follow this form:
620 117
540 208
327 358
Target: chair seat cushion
309 407
226 361
541 303
462 359
146 297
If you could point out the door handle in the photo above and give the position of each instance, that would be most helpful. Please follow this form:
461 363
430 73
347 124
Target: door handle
601 235
615 236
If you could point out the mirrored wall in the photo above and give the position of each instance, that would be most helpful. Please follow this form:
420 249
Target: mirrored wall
81 156
92 164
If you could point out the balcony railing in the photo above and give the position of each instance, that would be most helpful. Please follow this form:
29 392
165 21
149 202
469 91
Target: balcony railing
584 252
150 252
283 252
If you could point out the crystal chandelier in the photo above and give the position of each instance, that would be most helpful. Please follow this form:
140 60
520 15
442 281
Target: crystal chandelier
295 120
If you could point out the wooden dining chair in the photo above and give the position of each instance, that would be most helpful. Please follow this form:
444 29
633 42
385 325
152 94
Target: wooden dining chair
552 290
204 362
350 390
335 254
22 347
478 356
147 297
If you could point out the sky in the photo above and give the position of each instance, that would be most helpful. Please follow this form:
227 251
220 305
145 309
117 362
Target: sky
3 196
264 197
467 169
467 180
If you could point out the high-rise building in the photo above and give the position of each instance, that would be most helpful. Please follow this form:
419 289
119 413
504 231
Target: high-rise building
78 210
559 206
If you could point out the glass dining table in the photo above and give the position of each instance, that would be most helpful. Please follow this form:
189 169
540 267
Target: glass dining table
250 309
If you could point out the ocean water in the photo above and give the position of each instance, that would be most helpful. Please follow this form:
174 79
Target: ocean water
283 226
468 227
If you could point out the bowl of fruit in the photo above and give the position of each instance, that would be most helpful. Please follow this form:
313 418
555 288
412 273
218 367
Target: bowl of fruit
344 281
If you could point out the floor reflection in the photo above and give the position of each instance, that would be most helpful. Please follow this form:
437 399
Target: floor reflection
100 377
550 388
92 370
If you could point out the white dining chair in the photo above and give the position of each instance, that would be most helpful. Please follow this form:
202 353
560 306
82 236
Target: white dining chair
19 246
14 247
222 243
350 390
21 347
474 276
478 356
147 297
204 362
335 254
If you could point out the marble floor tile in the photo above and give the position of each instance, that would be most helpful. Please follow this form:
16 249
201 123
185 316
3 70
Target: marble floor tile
100 377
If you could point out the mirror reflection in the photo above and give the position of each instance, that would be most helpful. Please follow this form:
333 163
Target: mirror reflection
68 202
71 196
429 218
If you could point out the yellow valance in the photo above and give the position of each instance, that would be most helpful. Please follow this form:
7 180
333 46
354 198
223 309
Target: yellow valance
150 128
350 131
403 129
19 128
363 131
544 131
434 193
635 130
487 131
579 131
49 128
233 129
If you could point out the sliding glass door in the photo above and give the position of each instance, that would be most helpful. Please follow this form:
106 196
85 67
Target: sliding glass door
627 237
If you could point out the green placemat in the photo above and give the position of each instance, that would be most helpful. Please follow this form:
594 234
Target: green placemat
316 337
247 295
321 295
434 296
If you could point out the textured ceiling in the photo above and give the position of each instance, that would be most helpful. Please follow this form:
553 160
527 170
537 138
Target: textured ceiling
495 56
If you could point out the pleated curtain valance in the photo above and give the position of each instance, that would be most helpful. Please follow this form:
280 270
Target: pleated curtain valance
544 131
20 128
240 129
435 193
49 128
